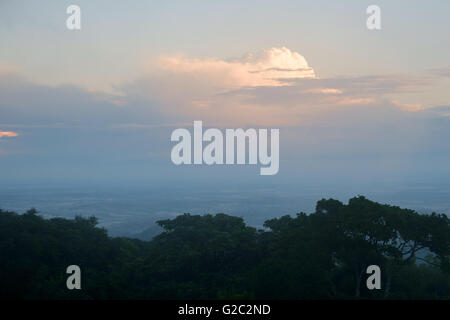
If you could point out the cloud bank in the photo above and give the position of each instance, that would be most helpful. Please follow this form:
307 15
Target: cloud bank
335 123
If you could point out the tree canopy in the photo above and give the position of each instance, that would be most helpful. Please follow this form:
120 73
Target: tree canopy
321 255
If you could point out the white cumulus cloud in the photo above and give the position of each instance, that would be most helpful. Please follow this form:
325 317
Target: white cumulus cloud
267 68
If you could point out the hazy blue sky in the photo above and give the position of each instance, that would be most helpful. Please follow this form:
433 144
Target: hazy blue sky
100 103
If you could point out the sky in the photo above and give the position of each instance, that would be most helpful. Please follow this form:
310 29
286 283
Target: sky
99 104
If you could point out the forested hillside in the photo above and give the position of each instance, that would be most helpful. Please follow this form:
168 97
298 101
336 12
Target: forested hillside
321 255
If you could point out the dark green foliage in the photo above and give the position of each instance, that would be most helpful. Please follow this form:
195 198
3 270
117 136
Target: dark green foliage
323 255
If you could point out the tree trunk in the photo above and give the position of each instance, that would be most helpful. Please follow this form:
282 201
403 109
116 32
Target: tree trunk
388 287
358 283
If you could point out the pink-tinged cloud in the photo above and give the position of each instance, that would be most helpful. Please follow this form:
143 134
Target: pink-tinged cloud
323 91
8 134
276 87
265 69
357 101
408 106
6 68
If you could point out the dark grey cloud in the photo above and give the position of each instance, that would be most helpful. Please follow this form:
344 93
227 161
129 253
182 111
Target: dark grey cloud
68 132
308 90
26 103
